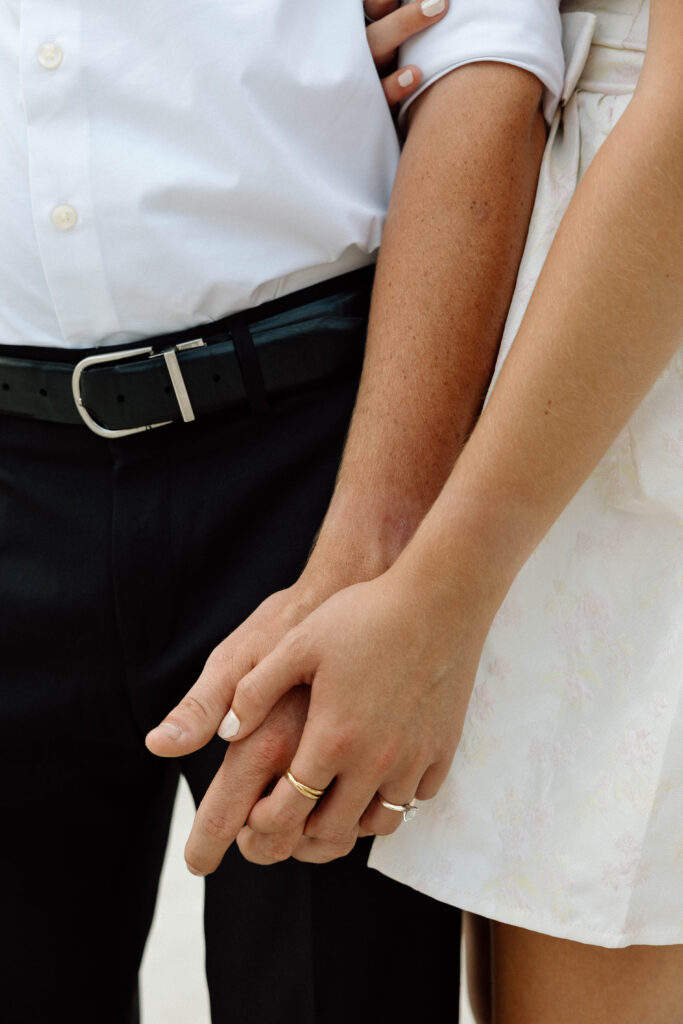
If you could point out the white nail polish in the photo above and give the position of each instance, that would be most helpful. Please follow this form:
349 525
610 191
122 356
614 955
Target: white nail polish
430 8
406 78
230 726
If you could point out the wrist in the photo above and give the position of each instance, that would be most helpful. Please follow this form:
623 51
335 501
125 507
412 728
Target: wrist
459 566
360 539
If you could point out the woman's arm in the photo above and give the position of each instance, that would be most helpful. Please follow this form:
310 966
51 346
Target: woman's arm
606 317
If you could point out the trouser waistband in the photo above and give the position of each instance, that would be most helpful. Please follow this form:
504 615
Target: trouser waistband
243 359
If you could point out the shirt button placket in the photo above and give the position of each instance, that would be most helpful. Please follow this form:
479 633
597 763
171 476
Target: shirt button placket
50 56
60 162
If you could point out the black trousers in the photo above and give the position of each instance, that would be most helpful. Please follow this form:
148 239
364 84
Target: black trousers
122 563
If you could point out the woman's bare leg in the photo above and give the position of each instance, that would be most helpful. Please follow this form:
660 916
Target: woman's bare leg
476 933
538 979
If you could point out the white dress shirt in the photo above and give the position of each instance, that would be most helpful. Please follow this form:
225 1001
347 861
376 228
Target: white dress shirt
165 164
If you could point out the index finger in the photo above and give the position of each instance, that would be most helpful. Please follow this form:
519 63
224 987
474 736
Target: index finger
225 807
248 768
376 9
386 35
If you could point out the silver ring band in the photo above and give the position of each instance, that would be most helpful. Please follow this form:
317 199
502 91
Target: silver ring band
408 810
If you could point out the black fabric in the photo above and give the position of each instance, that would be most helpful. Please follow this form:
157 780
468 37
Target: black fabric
302 338
249 364
122 563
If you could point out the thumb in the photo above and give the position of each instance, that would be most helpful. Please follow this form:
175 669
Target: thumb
193 722
291 663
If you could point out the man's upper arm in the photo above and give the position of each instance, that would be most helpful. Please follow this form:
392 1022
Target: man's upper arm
526 33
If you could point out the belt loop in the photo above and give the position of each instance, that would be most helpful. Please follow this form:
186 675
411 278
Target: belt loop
248 360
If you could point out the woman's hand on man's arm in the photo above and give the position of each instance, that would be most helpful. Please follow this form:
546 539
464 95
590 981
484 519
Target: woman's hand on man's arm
389 26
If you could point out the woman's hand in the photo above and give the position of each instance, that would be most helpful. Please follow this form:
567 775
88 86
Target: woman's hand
389 691
390 26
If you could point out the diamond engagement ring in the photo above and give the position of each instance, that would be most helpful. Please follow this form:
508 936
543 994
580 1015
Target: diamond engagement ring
408 810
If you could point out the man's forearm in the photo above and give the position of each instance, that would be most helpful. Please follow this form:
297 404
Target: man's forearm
454 237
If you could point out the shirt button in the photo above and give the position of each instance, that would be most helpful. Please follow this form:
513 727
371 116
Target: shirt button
50 56
64 217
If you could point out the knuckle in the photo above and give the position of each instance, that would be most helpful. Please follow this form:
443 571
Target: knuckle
337 744
219 660
285 817
274 750
273 605
249 692
267 759
332 836
228 661
277 850
297 644
385 758
216 826
341 849
193 707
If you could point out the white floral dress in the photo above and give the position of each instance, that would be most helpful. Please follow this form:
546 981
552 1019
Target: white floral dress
563 810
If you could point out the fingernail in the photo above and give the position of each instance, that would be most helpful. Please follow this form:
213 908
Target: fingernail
169 729
230 726
406 78
430 8
197 874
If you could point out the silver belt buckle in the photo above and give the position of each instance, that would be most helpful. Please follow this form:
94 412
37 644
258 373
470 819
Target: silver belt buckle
174 372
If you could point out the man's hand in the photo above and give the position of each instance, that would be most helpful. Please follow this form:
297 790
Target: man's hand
247 771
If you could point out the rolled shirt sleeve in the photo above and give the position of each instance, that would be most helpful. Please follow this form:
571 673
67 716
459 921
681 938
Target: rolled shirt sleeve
526 33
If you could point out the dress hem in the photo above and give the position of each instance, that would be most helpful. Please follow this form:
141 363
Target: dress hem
529 919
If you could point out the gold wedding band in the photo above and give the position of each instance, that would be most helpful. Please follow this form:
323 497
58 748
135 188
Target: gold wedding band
309 791
408 810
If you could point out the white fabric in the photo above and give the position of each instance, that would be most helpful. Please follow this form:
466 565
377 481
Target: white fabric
528 35
164 164
563 810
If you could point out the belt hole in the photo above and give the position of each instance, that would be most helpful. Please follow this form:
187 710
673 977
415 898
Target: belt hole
5 386
168 389
216 378
120 398
43 392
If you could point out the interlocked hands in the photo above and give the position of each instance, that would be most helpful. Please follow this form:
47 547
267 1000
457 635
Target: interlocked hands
389 684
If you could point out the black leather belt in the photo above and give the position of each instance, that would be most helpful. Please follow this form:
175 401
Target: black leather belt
240 360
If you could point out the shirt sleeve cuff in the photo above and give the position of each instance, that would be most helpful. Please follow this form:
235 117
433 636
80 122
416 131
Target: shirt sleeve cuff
526 34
